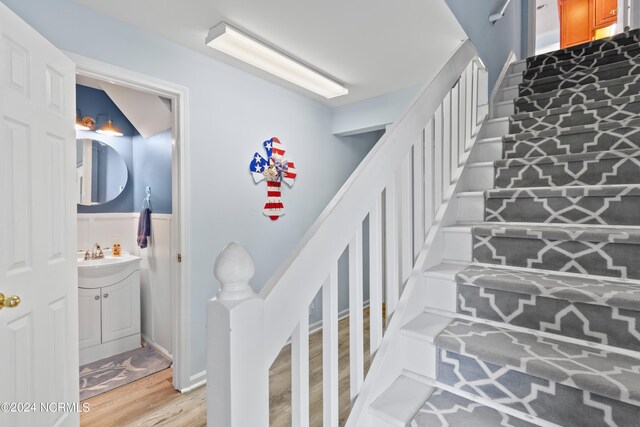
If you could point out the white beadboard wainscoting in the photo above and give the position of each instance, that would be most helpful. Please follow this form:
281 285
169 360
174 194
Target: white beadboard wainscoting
156 271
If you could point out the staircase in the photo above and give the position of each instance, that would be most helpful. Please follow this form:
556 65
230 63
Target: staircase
533 313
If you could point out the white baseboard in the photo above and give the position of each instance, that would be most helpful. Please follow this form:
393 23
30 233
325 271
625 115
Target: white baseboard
157 346
196 381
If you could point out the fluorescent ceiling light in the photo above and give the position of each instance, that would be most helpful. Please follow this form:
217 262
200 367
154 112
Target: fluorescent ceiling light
229 40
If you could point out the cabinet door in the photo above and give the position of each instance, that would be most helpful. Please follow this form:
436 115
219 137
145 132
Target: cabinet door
605 12
575 22
121 309
89 317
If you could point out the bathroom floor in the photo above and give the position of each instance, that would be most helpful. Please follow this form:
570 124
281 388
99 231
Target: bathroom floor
106 374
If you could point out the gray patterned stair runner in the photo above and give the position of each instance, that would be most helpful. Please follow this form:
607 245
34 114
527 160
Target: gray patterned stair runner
554 286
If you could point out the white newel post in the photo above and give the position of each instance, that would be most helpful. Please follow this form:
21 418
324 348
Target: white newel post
237 375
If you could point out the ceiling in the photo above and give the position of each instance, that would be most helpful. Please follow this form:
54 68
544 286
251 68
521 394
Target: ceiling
373 47
547 18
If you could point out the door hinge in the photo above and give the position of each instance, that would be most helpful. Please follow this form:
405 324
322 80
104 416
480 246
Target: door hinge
179 257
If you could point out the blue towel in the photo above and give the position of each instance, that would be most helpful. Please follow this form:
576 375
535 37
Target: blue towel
144 227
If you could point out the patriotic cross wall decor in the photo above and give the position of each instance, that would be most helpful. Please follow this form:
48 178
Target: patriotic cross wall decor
275 169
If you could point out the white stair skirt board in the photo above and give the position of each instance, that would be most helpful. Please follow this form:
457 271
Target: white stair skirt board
487 150
503 109
507 94
456 243
418 343
399 404
496 128
471 206
480 176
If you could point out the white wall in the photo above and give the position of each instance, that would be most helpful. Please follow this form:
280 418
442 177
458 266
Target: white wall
155 266
372 114
230 114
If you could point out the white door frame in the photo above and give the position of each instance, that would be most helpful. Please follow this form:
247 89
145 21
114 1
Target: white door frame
531 28
180 201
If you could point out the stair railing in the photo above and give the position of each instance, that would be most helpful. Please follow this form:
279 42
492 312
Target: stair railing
399 187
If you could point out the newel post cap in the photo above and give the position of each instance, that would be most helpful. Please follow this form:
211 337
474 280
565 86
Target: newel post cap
234 268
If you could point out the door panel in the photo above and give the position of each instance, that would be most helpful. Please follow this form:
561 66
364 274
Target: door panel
37 223
90 317
605 12
575 22
121 309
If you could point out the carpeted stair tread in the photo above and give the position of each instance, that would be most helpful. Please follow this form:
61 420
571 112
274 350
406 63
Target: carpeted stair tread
617 110
574 288
447 409
568 191
592 204
592 156
592 168
550 133
607 89
588 61
564 232
581 77
595 138
605 373
618 102
589 48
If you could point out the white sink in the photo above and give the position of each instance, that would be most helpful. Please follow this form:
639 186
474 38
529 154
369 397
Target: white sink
95 273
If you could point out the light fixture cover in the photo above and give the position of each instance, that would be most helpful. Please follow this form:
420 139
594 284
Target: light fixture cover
233 42
108 128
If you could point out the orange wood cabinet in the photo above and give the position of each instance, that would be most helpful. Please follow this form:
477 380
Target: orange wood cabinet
605 13
579 19
575 22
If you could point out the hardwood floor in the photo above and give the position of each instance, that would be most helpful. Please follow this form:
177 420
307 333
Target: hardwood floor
152 401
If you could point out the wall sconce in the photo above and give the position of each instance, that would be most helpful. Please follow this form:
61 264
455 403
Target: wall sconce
108 128
85 123
89 123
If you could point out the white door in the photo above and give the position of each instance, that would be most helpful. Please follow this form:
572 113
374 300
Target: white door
39 337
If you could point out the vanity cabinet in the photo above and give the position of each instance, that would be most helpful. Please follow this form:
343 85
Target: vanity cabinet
109 314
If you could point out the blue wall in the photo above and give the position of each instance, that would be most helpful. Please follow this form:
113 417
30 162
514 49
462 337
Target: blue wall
493 42
148 160
92 102
152 168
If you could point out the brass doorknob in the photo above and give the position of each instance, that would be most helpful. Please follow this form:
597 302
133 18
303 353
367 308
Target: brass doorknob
9 302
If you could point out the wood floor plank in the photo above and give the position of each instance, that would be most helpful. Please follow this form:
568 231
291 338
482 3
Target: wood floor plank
152 401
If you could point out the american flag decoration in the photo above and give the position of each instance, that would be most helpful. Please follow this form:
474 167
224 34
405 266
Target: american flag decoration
276 170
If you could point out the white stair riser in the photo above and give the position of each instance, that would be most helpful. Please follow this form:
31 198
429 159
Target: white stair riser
471 208
456 245
503 109
442 294
507 94
487 151
480 177
518 67
419 356
495 128
379 422
512 79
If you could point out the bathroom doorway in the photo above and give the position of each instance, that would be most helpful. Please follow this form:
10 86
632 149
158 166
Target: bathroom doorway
131 175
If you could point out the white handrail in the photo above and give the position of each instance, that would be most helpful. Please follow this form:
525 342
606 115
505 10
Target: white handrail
400 186
497 16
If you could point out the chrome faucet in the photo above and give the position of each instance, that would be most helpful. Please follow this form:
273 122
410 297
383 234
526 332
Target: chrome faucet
96 252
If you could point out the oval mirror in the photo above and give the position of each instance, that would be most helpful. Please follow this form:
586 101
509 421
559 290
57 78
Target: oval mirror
101 173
